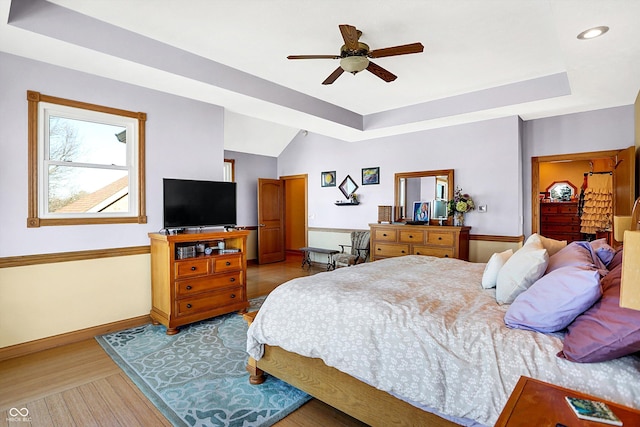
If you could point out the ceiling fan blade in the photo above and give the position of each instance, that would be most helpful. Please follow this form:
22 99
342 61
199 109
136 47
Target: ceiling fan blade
313 57
350 36
385 75
332 78
396 50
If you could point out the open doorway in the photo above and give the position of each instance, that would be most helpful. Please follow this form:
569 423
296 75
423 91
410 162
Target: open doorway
282 217
572 167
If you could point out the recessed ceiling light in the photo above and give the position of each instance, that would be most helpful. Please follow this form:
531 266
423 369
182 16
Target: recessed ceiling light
593 32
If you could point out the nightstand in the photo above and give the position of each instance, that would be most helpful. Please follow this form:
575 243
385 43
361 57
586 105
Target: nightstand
536 403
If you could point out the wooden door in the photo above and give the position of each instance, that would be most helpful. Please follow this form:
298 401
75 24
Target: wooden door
624 182
270 221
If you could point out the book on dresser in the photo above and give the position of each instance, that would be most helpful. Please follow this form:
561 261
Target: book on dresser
197 275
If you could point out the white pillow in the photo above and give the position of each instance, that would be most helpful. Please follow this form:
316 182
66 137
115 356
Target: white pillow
551 245
497 260
520 271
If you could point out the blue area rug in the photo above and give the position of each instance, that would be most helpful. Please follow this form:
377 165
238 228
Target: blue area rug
198 377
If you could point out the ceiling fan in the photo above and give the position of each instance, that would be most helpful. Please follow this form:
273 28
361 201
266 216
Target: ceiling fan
354 55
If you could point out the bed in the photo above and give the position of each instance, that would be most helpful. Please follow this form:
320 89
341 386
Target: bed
419 340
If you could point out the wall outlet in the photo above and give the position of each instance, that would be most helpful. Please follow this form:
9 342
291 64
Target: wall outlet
482 208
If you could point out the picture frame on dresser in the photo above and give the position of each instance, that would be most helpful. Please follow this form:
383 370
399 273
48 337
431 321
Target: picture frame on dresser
421 211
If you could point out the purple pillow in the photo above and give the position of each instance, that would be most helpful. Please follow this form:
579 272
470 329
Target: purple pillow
555 300
576 254
617 259
603 250
605 331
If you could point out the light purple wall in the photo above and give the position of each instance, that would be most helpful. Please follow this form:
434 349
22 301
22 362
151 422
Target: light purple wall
485 157
184 139
600 130
248 168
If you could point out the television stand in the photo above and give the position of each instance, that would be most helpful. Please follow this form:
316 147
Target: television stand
188 286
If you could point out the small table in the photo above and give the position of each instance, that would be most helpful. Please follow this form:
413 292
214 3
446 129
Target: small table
306 259
540 404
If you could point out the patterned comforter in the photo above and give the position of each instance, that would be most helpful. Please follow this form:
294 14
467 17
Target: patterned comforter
424 330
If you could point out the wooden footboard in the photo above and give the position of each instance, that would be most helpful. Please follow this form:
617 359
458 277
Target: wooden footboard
342 391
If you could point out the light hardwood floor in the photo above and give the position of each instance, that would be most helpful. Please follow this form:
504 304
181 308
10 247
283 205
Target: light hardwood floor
79 384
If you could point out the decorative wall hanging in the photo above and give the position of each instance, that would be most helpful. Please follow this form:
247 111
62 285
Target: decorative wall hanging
328 179
370 176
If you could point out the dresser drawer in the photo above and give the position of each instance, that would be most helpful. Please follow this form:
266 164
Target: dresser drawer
227 263
192 268
559 208
385 235
411 236
548 209
560 228
186 288
390 250
209 301
434 251
441 238
562 219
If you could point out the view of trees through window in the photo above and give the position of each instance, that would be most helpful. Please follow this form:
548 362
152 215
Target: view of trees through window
86 166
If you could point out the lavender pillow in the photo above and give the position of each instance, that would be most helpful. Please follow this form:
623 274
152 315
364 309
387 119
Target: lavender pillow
555 300
603 250
605 331
577 254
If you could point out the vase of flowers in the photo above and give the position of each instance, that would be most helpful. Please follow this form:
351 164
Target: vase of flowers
458 206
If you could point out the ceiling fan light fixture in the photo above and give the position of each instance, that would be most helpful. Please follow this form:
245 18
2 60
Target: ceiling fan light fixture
592 33
354 64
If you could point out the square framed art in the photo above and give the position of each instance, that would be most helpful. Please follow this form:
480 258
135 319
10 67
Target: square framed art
328 179
370 176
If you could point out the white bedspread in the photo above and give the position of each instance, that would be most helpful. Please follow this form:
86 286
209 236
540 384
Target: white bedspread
424 329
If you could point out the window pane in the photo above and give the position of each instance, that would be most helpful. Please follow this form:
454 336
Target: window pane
82 190
72 140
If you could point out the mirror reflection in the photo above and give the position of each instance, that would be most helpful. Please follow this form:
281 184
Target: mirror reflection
348 186
435 187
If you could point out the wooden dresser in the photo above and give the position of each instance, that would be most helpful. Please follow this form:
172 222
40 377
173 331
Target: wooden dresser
391 240
560 221
187 287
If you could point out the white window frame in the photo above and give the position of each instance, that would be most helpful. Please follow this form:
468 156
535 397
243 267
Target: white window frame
41 107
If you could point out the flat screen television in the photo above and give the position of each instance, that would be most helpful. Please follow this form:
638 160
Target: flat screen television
191 203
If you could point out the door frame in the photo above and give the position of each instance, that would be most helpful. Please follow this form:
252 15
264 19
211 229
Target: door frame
305 178
535 178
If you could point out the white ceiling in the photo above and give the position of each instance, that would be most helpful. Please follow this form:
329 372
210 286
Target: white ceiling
482 59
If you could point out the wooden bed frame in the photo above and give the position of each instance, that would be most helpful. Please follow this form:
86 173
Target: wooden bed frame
339 390
344 392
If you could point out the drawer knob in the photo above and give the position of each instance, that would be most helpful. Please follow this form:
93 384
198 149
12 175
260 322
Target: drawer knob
193 268
233 279
379 249
189 287
446 256
439 238
410 236
228 263
384 234
188 305
233 296
402 251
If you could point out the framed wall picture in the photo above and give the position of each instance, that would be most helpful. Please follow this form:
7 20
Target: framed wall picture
370 176
328 179
421 211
